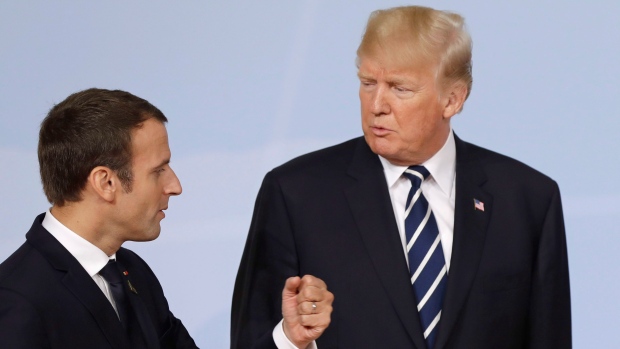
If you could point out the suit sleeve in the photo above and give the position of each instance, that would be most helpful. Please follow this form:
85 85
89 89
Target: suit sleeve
20 324
177 336
268 260
550 314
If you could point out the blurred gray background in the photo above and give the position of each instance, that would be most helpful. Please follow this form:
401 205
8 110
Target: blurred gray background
247 85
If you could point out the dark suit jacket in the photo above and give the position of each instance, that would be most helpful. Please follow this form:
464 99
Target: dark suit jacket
329 214
48 300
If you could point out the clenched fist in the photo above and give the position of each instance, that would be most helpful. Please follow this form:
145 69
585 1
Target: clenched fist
306 309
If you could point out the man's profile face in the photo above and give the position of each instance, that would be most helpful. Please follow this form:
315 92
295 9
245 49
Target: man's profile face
139 213
402 111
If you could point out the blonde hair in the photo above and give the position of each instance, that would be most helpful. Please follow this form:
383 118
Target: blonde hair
415 36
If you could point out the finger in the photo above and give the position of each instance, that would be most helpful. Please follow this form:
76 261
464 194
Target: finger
318 306
308 308
291 287
313 294
318 321
310 280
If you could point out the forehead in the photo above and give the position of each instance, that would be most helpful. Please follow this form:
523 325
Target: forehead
149 142
375 68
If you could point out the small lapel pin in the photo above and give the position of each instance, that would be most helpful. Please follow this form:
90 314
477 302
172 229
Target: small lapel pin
131 288
125 273
478 205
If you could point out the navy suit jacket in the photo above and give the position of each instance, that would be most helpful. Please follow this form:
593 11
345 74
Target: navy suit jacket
48 300
329 214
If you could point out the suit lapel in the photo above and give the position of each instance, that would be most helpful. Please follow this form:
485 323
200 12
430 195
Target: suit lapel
370 203
79 283
100 308
470 227
149 334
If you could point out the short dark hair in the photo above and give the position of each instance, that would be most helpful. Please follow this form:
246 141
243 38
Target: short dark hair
88 129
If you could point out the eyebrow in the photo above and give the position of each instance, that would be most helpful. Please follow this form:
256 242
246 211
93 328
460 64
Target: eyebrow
363 76
165 162
391 80
399 81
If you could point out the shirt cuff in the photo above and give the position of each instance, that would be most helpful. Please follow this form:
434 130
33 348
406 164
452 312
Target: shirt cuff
282 341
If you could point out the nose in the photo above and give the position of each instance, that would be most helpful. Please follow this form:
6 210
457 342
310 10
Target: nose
380 106
173 187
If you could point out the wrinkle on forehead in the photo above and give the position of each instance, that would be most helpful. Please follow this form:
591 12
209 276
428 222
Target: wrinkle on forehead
417 75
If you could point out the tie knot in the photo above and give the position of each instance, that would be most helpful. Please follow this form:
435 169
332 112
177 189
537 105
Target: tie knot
416 174
111 273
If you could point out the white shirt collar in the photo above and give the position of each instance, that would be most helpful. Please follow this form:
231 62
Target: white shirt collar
442 167
88 255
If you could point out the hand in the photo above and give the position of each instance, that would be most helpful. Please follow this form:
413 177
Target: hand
306 309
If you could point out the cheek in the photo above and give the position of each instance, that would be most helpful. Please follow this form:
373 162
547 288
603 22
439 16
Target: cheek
413 125
366 116
365 119
363 106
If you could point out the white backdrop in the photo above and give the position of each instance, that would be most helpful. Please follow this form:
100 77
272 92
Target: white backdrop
247 85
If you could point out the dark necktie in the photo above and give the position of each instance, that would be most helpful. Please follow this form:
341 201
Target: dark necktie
427 265
112 274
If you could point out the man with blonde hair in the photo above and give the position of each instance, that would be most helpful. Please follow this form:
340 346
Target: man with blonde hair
425 240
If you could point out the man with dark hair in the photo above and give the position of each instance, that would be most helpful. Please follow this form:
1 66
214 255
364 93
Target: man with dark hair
105 166
89 129
104 163
426 241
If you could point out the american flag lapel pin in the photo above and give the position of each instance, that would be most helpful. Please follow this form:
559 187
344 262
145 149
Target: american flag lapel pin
478 205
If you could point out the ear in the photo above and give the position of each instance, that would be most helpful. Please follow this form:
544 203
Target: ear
454 99
103 182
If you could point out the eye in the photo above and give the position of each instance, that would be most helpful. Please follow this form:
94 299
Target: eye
367 83
401 89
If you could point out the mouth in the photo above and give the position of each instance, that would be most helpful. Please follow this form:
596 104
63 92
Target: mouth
380 131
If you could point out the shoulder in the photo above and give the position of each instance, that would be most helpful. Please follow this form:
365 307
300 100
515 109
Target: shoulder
23 263
503 173
26 260
496 163
28 278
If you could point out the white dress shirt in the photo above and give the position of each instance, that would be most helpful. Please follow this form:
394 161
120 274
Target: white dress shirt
90 257
438 190
282 341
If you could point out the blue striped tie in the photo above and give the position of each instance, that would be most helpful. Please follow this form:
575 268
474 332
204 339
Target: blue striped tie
427 265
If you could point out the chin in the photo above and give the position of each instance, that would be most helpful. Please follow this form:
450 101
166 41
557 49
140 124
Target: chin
150 236
380 147
154 236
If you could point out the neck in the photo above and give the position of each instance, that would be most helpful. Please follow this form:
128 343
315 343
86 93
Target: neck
89 223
